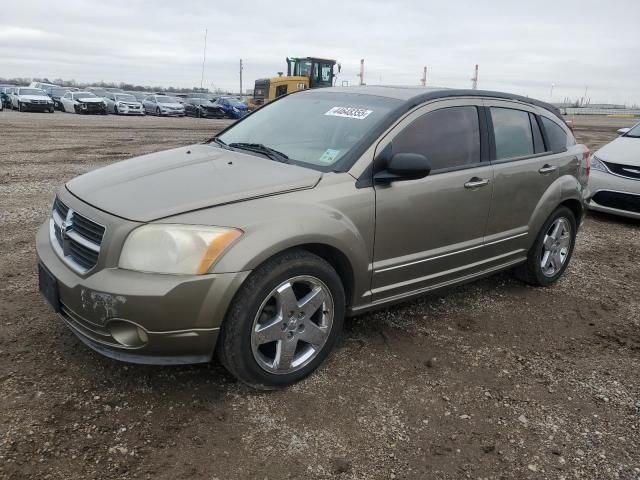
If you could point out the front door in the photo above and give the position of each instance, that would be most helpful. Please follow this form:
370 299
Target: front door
431 231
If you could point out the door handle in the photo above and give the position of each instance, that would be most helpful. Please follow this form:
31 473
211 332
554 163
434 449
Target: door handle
476 182
547 169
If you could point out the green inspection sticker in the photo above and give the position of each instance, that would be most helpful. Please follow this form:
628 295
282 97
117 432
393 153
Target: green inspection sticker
328 157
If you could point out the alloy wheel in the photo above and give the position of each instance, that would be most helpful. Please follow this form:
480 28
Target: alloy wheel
292 325
555 247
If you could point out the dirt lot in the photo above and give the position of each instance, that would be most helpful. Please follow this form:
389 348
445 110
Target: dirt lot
491 380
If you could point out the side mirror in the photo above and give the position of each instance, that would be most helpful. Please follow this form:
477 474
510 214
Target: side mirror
404 166
622 131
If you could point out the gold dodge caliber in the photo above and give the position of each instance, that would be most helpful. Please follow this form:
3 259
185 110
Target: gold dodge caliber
322 204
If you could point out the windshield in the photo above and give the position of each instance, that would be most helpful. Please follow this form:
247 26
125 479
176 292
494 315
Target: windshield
126 98
59 91
83 95
312 128
634 132
30 91
164 99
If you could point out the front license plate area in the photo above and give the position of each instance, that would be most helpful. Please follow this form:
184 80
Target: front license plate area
48 286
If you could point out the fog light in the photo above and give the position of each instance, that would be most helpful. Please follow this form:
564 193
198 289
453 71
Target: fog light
127 334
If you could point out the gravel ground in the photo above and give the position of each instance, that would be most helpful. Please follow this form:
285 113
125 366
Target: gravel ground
490 380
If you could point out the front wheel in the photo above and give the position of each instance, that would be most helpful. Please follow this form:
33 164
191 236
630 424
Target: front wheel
551 253
21 107
158 112
284 321
115 110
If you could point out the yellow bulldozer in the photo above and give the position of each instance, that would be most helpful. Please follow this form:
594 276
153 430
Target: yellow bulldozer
302 73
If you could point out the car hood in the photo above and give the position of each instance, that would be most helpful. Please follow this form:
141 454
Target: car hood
174 105
624 150
33 97
89 100
176 181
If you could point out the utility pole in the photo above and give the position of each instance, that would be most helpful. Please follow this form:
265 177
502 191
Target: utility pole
423 80
204 58
474 80
240 76
551 93
361 74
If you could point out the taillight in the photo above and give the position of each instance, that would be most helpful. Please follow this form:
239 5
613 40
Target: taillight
586 156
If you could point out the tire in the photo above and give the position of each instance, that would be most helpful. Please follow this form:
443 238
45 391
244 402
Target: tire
62 107
199 115
257 302
115 110
532 272
21 107
158 112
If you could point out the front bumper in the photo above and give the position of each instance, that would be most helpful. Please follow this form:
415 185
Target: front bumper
178 316
37 107
131 111
95 108
614 194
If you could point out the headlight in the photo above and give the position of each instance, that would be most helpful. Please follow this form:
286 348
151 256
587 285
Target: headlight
235 109
176 249
122 105
597 164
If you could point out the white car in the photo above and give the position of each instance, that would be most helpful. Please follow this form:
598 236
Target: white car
82 102
162 105
31 99
614 184
123 104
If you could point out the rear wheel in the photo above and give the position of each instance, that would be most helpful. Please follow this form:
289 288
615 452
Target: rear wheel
551 253
284 321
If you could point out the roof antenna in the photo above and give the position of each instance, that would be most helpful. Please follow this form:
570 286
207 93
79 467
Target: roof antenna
474 80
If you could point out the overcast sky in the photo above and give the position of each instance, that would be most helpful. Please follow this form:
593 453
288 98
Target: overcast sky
521 47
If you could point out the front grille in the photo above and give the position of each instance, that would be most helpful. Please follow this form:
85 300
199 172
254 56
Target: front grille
87 228
74 237
619 201
628 171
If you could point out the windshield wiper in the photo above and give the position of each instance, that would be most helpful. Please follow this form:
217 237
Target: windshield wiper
263 149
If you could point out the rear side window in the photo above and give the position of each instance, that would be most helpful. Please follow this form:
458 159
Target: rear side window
512 133
449 138
556 136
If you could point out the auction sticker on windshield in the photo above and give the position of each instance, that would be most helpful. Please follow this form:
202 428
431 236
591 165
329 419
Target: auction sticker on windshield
349 112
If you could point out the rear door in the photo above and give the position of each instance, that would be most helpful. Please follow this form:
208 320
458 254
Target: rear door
430 231
524 169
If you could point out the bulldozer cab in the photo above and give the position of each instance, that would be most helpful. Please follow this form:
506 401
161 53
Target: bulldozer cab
319 71
302 73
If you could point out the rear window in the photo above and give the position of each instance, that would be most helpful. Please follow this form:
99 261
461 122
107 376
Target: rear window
512 133
556 136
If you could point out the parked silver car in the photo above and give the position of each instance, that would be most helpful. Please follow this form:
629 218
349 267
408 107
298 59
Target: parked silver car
615 180
123 104
82 102
323 203
31 99
163 105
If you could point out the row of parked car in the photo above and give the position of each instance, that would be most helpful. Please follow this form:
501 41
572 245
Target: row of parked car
49 98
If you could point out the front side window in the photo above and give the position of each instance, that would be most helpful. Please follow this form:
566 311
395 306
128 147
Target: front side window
556 135
512 133
449 138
